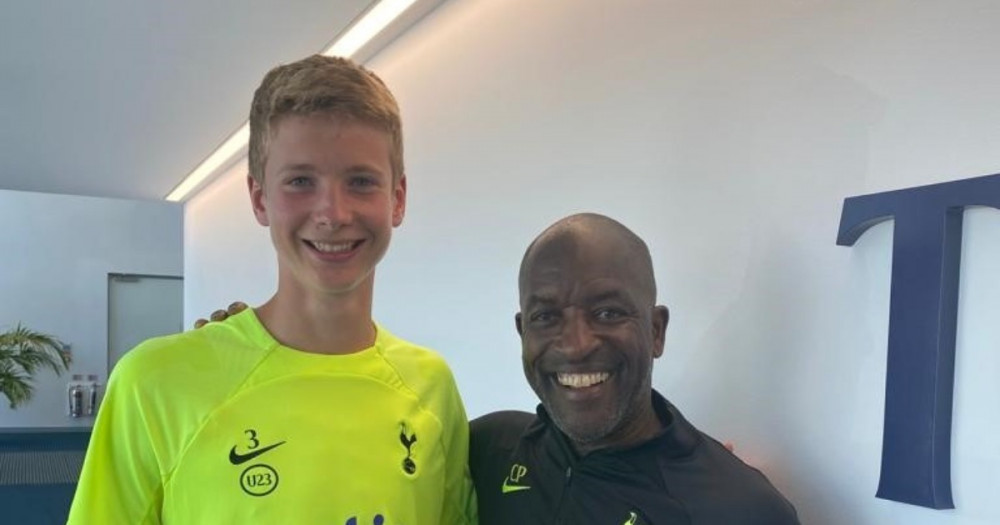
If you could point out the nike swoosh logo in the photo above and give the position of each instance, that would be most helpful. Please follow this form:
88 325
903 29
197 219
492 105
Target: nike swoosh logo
236 459
507 488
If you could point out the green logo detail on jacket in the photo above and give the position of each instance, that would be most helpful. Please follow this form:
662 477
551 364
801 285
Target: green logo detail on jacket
512 482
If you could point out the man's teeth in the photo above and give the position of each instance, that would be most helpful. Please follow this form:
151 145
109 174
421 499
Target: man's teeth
330 247
582 380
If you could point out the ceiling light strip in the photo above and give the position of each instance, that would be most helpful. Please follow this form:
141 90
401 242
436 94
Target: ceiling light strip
362 31
220 157
371 24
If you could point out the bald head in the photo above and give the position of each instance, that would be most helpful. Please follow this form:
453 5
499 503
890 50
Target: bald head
569 235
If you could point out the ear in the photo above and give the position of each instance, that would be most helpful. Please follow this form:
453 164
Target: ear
257 200
661 317
399 200
517 324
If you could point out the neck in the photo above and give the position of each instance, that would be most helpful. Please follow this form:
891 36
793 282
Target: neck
639 428
320 323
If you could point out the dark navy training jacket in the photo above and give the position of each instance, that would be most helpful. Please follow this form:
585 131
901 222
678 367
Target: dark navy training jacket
526 472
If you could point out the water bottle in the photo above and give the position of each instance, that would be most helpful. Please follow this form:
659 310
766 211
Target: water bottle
75 397
92 394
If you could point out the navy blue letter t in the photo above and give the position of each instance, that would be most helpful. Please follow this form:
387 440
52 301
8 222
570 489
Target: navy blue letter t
923 312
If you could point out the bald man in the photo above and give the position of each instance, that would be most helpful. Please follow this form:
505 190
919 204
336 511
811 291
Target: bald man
604 446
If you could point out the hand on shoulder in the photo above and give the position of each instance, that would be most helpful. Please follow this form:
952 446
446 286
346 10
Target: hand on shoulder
222 315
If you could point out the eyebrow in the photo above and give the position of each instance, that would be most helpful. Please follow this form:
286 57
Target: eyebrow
297 167
307 167
546 299
366 169
536 299
609 295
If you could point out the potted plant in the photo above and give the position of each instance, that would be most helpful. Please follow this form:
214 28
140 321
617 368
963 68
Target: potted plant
22 353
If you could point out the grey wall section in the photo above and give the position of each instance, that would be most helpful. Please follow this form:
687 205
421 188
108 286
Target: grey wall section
57 251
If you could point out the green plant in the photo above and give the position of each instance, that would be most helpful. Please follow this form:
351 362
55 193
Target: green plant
22 353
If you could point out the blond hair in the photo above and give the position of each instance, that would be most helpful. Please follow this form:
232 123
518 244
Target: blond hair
321 84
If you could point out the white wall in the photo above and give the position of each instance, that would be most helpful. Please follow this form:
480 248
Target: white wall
227 256
57 253
727 134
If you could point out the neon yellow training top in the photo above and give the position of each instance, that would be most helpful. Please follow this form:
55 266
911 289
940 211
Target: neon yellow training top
224 425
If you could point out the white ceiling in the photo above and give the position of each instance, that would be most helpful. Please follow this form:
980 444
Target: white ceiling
122 98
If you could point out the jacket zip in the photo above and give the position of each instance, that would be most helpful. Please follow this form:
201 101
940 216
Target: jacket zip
562 496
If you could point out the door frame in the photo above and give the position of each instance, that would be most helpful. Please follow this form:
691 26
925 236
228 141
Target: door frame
124 276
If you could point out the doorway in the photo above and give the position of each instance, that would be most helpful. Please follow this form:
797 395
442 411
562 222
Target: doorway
141 307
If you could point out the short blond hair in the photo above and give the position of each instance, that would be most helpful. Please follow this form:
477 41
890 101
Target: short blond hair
321 84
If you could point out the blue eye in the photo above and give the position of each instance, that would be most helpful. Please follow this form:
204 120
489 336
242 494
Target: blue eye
299 181
363 181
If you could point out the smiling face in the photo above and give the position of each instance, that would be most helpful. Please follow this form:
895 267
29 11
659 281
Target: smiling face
330 201
590 331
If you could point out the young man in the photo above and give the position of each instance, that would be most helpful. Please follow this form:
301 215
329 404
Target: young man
301 410
605 447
